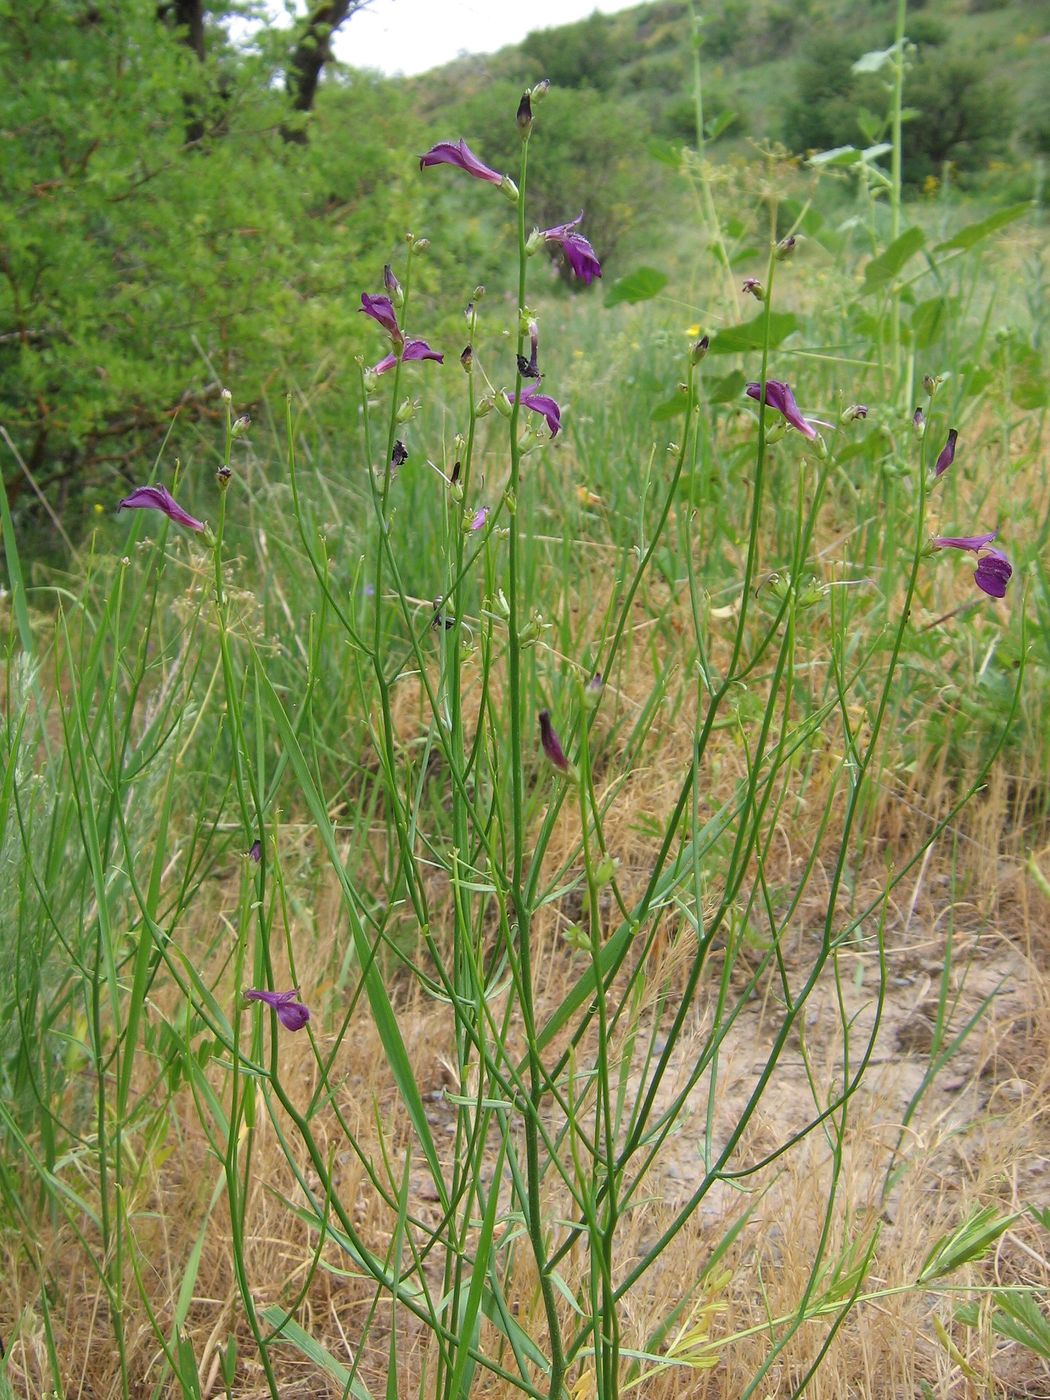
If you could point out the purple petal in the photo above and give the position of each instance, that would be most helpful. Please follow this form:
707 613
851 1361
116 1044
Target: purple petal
578 252
993 573
947 456
551 743
974 542
480 516
291 1012
779 396
414 350
159 498
541 403
381 309
459 154
255 850
420 350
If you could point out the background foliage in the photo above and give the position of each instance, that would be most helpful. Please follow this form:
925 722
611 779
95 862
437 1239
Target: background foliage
162 233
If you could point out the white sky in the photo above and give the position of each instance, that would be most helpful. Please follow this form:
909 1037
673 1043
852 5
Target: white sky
410 36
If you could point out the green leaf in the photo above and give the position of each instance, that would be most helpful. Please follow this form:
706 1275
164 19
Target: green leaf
837 155
718 124
883 269
928 320
666 153
312 1349
973 233
728 388
670 408
875 60
751 335
1027 380
1020 1318
641 285
970 1241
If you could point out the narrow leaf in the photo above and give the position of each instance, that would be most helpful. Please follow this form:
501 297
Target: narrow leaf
973 233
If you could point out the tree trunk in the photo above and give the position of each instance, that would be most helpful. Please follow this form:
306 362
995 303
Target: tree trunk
186 17
311 54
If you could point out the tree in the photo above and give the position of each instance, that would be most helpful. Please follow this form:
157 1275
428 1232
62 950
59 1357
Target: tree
964 115
312 52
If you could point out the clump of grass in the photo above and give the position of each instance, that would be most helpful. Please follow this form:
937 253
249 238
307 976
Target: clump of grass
593 795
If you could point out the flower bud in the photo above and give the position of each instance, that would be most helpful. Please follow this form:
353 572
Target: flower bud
540 90
932 382
524 117
241 425
592 691
754 288
393 286
466 358
855 410
785 248
509 188
699 350
406 410
421 245
551 743
605 870
226 396
918 422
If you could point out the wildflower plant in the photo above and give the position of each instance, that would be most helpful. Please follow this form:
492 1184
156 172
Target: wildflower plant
480 867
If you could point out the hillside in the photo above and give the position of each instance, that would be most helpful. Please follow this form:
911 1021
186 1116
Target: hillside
761 62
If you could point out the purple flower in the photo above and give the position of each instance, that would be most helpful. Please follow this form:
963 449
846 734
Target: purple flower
947 456
381 309
578 252
754 288
291 1013
160 498
551 743
974 542
398 458
255 851
459 154
993 568
993 573
540 403
918 421
414 350
528 368
779 396
479 518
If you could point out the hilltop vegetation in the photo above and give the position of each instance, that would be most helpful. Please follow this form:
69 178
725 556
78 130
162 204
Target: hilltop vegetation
161 233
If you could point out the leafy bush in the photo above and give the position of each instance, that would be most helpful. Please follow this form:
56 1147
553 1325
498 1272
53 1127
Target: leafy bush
823 112
160 237
964 115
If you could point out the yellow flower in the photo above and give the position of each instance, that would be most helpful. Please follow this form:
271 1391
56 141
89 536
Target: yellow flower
692 332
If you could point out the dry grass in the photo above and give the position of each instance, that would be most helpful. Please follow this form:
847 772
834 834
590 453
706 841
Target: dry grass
981 1133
